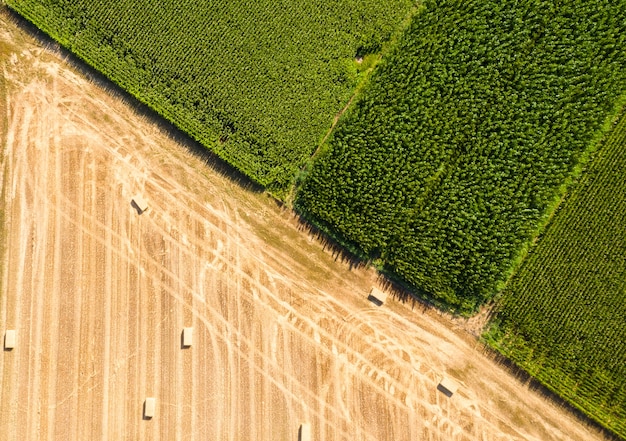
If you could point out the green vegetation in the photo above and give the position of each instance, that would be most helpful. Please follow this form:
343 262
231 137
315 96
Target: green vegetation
563 316
256 82
446 167
451 160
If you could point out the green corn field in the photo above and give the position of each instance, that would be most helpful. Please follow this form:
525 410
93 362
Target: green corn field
563 316
452 159
258 83
466 125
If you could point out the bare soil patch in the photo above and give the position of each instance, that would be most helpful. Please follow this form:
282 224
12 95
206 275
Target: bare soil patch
283 333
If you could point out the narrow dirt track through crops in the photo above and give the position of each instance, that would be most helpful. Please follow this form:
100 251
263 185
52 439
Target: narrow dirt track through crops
283 333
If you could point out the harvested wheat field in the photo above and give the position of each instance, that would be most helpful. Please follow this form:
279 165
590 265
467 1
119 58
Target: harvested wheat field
283 333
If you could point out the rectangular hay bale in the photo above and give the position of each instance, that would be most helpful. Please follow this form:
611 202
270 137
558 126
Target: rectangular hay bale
149 407
140 203
9 339
447 386
305 432
187 337
377 296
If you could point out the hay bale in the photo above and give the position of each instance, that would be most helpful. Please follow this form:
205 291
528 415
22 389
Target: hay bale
377 296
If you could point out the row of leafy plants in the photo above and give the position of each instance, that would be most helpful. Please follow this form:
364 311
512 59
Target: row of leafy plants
562 318
259 84
451 160
445 168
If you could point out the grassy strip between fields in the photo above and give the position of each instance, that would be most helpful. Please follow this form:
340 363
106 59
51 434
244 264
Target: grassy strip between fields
562 317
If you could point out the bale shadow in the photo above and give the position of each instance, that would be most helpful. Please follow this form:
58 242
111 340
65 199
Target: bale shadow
374 300
144 413
444 391
136 207
9 340
165 127
304 432
182 341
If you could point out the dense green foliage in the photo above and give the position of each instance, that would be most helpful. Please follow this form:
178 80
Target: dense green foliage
563 316
257 82
447 165
445 168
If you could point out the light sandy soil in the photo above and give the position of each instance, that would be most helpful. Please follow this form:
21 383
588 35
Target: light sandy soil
284 334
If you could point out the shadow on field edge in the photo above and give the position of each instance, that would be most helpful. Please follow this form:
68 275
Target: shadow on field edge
539 388
339 251
169 129
345 253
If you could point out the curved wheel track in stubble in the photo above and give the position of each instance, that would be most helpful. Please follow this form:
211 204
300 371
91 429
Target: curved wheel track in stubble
283 334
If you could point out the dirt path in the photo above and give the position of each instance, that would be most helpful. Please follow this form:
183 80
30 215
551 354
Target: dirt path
99 295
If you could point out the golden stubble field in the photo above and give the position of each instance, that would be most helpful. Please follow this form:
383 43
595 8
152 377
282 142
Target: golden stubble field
283 333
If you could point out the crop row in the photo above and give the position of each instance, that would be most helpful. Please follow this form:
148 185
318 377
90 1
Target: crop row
257 84
562 316
448 164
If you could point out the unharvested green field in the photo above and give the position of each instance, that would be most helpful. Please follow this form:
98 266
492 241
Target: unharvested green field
256 82
452 158
563 316
446 166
